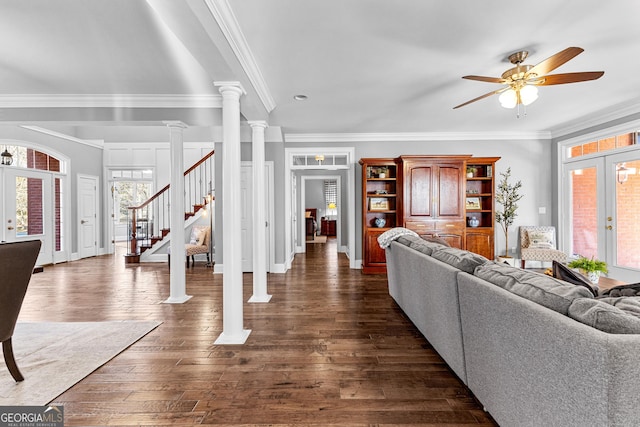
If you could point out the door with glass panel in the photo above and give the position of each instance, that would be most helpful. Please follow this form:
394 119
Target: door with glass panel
622 217
603 207
28 212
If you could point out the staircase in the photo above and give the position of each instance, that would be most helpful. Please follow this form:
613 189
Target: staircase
150 223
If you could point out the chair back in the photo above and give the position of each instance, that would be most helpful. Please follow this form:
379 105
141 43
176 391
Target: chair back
197 229
525 230
16 266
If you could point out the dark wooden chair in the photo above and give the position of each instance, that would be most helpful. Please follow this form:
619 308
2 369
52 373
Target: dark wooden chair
16 266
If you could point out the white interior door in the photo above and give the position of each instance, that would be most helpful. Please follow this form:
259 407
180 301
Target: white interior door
29 209
87 216
246 194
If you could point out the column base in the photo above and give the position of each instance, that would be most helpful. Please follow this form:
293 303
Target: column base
260 298
226 339
177 300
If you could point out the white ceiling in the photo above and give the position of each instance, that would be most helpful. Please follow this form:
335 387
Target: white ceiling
367 66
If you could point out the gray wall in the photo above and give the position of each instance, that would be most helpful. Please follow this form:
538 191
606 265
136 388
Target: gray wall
83 159
530 162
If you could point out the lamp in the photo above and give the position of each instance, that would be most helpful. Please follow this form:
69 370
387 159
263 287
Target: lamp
622 173
518 94
319 158
7 158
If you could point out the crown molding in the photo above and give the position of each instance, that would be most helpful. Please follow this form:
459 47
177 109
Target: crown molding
222 13
91 143
110 101
597 119
413 136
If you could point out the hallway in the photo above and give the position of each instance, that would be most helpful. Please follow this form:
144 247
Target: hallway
331 348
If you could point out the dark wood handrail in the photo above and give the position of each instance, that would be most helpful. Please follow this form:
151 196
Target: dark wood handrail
166 187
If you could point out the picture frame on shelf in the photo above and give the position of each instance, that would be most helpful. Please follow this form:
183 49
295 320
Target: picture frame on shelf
473 203
379 204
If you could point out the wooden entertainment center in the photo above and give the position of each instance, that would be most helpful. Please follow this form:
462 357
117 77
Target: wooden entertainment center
451 197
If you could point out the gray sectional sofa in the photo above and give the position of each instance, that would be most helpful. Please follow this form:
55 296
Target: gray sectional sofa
512 337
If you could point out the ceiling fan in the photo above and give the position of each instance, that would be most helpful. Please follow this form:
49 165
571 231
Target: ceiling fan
522 80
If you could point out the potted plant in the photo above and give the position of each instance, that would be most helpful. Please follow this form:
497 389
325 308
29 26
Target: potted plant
507 195
591 267
471 171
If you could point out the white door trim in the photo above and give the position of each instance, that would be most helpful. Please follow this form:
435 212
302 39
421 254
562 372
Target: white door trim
350 196
302 248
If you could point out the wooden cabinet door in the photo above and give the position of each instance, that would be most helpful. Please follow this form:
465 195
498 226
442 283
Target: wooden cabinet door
375 255
480 242
450 191
419 191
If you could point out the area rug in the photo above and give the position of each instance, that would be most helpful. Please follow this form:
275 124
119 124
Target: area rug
318 239
53 356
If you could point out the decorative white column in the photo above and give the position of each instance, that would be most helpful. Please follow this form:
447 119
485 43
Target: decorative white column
177 281
232 300
259 214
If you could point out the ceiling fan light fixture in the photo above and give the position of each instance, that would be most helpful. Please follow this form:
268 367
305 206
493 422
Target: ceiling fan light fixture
528 94
508 98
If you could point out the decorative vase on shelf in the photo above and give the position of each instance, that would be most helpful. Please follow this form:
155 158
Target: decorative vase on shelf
380 222
473 221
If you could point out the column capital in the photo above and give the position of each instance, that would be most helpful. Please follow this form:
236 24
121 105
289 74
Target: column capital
230 86
175 124
258 124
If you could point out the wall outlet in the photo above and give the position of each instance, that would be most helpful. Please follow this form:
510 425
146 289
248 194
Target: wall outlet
542 210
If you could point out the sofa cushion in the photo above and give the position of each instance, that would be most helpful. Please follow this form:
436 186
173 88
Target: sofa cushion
436 239
562 272
623 291
539 288
459 258
418 244
612 315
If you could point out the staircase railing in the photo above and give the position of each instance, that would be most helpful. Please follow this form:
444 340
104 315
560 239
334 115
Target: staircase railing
151 221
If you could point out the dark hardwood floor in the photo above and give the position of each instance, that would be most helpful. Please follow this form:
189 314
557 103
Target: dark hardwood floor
331 348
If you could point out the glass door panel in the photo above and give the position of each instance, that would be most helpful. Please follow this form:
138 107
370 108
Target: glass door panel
623 218
28 214
584 209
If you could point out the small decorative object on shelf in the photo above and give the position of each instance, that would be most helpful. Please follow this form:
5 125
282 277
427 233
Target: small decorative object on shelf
380 222
473 221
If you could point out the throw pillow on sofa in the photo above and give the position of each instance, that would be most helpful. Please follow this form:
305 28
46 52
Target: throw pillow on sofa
562 272
631 290
612 315
459 258
539 288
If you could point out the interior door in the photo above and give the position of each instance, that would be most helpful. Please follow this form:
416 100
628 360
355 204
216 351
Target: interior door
29 210
246 190
87 216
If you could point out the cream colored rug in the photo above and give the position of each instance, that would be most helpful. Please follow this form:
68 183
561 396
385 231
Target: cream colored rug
53 356
318 239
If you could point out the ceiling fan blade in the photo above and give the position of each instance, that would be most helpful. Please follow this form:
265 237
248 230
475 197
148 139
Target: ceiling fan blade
559 79
554 61
485 79
481 97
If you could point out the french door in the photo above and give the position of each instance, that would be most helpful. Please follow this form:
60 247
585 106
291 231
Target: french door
28 211
603 207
